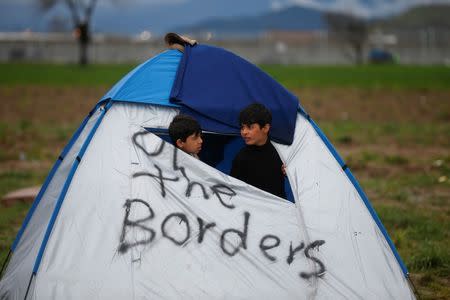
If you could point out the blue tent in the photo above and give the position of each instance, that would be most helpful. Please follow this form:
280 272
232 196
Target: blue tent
213 85
75 238
213 98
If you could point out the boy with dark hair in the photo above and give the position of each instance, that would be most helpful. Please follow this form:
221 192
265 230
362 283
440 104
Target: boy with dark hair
258 163
186 134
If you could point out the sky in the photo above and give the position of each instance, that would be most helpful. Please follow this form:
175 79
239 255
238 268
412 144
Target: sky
158 16
364 8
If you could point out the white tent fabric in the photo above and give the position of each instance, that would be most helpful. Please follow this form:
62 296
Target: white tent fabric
141 220
359 262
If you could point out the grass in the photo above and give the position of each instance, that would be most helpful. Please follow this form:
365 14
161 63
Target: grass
40 139
411 228
11 218
407 133
293 77
368 76
389 123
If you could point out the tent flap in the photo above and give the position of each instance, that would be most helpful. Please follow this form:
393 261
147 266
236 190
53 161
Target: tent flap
216 98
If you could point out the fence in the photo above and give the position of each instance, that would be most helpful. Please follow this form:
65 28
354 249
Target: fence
315 49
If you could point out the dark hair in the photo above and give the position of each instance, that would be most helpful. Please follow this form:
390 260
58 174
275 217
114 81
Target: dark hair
173 38
183 126
255 113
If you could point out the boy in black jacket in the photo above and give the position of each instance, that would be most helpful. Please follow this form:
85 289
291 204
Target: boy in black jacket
258 163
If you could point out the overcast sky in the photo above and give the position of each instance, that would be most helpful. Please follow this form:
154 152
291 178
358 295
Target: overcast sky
366 8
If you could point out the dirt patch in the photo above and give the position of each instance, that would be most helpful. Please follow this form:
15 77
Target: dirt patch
333 104
67 104
47 104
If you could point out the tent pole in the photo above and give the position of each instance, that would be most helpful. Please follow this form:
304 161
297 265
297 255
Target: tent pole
66 185
5 262
29 284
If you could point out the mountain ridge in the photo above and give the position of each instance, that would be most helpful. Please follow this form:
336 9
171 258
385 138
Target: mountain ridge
297 18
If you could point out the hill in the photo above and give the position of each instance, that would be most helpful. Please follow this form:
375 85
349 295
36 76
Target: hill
419 17
298 18
291 18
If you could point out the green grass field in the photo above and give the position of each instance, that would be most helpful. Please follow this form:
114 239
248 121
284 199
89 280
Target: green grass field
391 124
369 76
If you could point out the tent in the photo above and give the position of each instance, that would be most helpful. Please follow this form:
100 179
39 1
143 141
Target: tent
124 215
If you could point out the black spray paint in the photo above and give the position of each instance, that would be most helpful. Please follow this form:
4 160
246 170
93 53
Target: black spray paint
124 246
321 270
219 190
265 247
184 220
241 234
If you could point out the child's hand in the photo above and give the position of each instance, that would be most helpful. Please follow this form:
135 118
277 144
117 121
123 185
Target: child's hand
283 169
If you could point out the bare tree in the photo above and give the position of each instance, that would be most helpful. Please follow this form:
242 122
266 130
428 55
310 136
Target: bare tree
349 30
81 13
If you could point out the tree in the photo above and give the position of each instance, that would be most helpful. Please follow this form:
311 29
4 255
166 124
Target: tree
81 12
349 30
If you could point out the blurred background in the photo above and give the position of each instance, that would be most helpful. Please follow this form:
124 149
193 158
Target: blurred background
263 31
374 75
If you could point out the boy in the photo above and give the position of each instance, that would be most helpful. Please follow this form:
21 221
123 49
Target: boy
258 163
186 134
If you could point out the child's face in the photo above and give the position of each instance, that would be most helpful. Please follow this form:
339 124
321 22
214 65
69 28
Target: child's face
253 134
192 145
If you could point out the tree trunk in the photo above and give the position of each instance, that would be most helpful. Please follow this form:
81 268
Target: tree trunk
83 42
83 57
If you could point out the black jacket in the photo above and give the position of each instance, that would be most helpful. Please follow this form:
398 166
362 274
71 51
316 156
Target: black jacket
260 166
